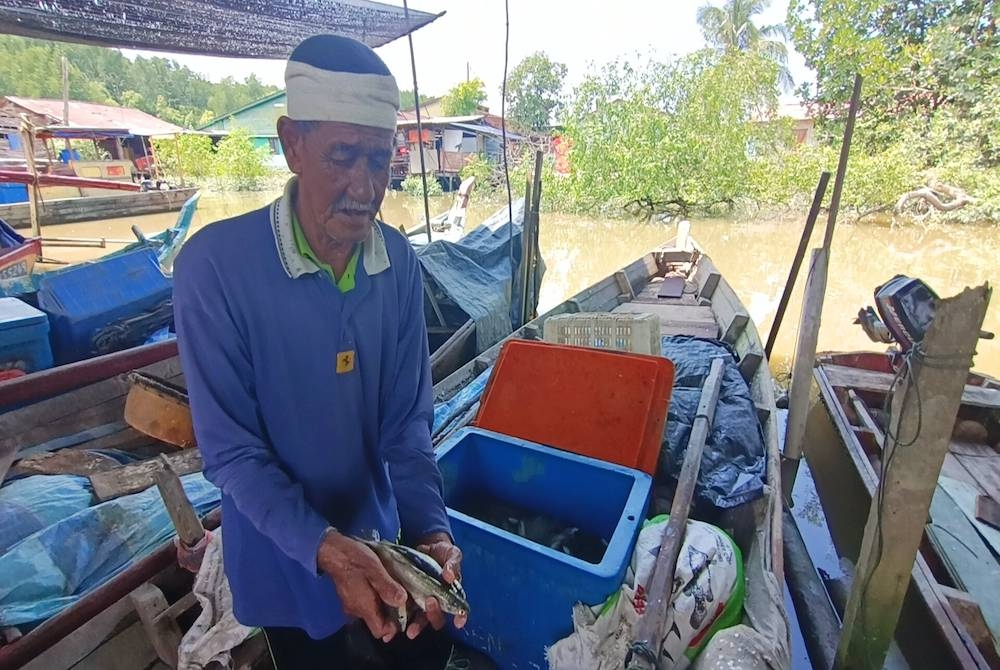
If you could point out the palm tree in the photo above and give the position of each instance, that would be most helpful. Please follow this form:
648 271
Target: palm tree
731 26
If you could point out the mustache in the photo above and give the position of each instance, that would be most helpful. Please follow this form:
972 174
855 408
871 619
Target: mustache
346 204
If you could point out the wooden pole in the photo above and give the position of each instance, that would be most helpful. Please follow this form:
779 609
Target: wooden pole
800 254
805 350
802 368
28 142
65 93
845 151
420 125
646 650
924 406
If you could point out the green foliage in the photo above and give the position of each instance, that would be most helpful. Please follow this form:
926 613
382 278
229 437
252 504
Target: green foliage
413 185
238 163
407 102
189 155
731 27
464 99
158 86
488 174
534 90
90 152
679 132
931 87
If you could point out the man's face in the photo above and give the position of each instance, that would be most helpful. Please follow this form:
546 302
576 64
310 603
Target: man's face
343 172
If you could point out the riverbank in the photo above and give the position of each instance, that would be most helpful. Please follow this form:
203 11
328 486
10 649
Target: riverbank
754 253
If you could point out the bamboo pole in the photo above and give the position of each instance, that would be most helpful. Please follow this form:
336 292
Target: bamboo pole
924 408
800 254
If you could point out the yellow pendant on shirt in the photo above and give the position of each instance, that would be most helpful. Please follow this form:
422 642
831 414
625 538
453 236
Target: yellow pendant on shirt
345 362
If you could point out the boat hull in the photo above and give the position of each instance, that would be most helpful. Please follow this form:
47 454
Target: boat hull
91 208
930 633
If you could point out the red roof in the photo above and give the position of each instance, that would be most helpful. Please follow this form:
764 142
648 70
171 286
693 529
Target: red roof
92 115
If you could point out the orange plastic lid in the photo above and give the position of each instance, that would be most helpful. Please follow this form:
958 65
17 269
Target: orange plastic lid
608 405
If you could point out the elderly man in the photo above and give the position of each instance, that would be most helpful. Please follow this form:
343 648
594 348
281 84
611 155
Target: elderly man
302 337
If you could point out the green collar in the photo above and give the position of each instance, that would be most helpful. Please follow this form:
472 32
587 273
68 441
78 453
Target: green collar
374 257
346 281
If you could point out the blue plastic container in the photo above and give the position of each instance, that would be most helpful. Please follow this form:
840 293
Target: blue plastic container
24 337
13 193
107 305
521 594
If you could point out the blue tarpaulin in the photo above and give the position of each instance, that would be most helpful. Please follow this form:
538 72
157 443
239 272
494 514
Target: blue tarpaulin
475 273
77 551
733 464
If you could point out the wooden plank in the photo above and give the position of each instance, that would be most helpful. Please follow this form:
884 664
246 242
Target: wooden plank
988 511
66 409
965 555
163 631
968 610
706 277
628 292
985 469
751 352
85 639
965 497
128 479
677 319
896 523
671 287
128 650
66 462
880 382
730 313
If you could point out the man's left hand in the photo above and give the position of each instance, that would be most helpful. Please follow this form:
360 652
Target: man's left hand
439 547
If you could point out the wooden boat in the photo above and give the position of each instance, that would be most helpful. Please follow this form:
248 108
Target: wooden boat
93 208
17 253
87 396
951 615
448 225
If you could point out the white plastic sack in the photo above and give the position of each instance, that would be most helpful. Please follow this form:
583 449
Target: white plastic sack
216 632
708 595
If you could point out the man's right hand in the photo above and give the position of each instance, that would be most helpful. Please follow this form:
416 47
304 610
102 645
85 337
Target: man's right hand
362 583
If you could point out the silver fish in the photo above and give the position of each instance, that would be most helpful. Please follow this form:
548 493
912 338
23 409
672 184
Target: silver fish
421 577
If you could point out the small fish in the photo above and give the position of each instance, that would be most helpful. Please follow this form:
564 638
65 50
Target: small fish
421 576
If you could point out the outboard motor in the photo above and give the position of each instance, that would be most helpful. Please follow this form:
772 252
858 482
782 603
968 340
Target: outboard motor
906 307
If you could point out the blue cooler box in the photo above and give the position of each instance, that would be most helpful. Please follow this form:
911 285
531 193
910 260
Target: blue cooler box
521 594
106 305
24 337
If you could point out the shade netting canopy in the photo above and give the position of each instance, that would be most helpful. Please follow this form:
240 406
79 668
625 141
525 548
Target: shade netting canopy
242 28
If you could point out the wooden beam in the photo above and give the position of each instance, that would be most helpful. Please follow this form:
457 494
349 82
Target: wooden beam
968 610
923 414
805 358
988 511
136 477
880 382
163 630
706 277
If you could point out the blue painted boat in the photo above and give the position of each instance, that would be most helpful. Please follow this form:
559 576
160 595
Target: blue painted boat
166 243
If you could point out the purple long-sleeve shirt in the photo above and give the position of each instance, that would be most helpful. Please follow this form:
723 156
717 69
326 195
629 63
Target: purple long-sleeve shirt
295 445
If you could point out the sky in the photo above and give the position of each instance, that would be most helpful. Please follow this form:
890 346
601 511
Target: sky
582 34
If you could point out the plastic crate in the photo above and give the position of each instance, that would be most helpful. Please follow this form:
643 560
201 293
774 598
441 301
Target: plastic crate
638 333
521 593
24 337
610 405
